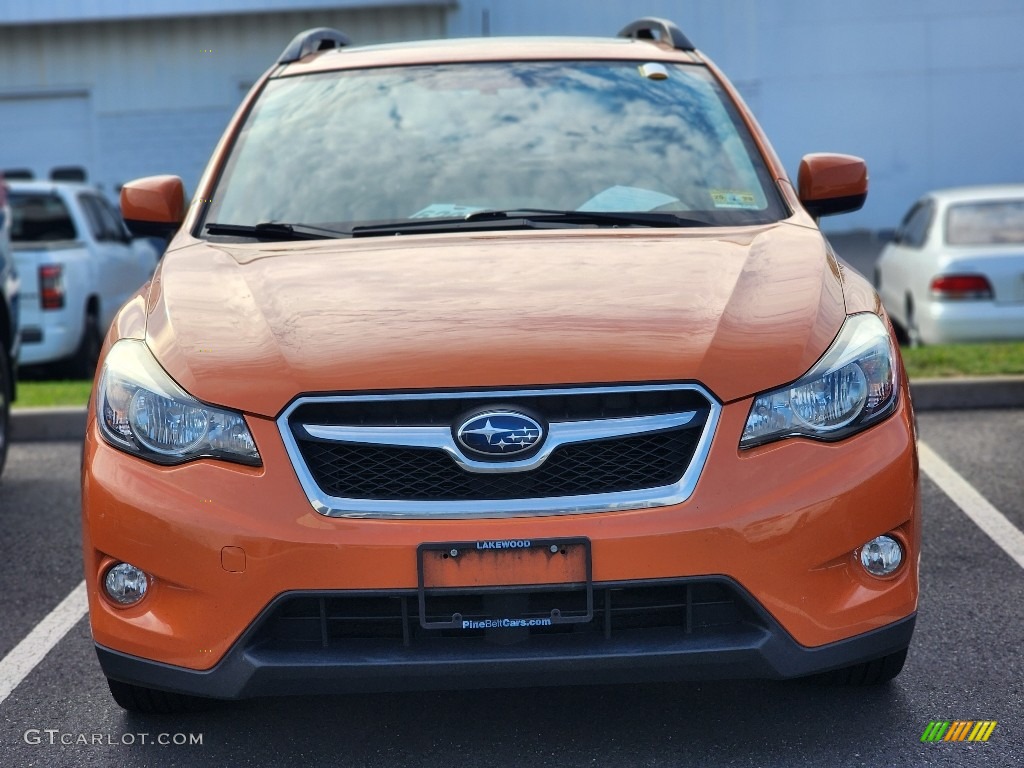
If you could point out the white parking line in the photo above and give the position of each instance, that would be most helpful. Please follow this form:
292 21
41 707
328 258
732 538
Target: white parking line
24 657
973 504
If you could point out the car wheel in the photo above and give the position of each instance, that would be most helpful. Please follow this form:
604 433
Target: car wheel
82 365
874 672
5 407
913 333
902 338
149 701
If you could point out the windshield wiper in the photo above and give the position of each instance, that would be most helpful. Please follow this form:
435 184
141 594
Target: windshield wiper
275 230
477 221
527 218
627 218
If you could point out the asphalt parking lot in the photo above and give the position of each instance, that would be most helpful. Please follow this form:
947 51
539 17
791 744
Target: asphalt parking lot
965 664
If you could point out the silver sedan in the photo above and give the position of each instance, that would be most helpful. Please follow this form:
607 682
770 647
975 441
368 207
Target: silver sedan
955 270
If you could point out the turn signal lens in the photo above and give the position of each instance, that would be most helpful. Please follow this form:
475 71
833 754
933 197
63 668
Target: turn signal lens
961 288
51 286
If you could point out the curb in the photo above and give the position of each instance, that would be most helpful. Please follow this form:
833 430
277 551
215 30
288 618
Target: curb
41 424
967 393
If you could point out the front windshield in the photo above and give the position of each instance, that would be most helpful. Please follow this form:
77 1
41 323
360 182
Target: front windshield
341 148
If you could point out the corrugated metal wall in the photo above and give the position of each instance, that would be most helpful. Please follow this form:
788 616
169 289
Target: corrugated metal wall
162 90
54 11
925 90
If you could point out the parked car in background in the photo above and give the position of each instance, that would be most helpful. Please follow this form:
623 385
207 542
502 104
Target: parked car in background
497 362
9 335
78 264
954 271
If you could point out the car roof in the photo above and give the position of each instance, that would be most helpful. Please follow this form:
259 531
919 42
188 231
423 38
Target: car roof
977 194
468 50
49 186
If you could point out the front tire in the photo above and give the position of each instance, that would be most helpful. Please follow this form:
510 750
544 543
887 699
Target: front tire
82 365
913 332
149 701
902 338
6 385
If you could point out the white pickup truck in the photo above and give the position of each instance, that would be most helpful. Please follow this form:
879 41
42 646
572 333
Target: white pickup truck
77 264
8 322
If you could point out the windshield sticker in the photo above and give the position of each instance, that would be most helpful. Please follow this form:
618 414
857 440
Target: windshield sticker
621 198
446 211
734 198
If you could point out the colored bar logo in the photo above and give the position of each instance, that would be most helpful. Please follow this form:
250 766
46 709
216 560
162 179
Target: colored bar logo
958 730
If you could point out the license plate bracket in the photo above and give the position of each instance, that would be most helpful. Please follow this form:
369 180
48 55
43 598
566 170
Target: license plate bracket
505 584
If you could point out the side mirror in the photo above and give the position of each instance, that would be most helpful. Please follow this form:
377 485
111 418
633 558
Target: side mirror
830 184
153 206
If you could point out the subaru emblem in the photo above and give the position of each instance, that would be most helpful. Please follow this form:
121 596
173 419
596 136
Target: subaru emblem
499 433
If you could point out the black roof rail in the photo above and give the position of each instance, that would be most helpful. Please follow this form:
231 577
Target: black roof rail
69 173
311 41
644 29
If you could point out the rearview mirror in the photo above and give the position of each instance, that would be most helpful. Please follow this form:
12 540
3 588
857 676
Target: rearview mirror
831 184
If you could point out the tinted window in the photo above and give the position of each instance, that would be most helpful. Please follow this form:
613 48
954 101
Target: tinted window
117 224
988 223
438 141
92 215
113 224
40 218
914 229
105 222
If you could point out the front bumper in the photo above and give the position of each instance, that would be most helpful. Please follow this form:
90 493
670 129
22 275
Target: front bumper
781 523
755 646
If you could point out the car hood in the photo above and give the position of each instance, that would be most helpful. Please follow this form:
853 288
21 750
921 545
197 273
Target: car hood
251 326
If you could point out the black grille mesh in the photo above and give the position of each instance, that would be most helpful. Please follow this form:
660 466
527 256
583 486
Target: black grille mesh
359 471
332 620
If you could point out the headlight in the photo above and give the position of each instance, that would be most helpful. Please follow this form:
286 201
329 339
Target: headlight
852 386
142 410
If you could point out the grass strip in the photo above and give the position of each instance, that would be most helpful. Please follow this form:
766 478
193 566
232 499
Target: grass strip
42 394
958 360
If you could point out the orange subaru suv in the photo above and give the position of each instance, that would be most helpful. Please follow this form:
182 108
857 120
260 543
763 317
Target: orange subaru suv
497 362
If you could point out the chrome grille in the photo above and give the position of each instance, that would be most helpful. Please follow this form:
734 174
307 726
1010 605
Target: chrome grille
394 455
407 410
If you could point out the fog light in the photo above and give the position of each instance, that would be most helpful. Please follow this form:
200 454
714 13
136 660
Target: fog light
881 556
125 584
